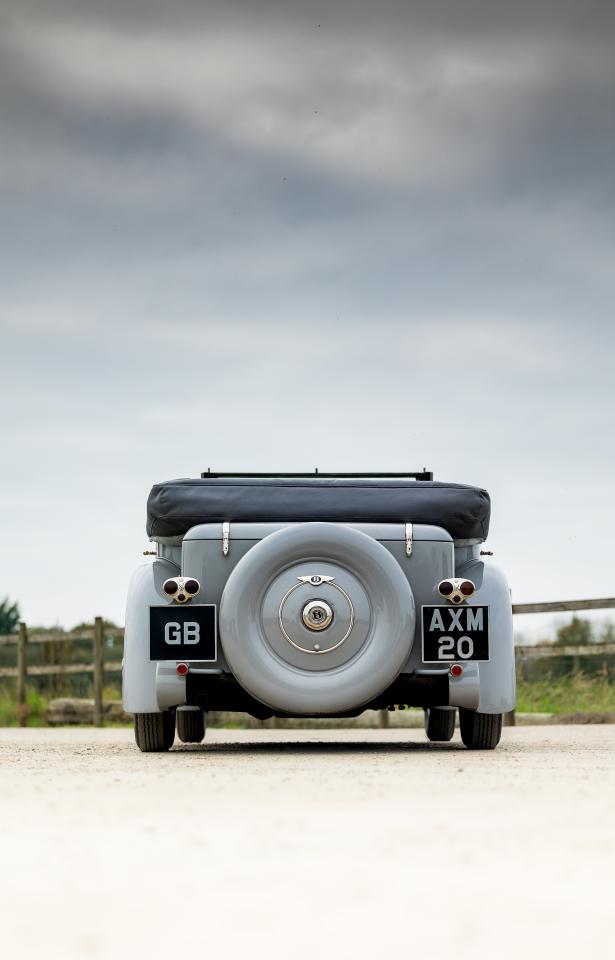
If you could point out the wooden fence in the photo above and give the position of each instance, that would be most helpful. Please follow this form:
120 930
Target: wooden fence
98 667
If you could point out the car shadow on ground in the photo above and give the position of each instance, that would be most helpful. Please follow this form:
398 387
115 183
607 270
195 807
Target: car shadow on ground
315 746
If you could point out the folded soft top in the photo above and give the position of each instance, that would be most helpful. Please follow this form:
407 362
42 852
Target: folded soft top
176 505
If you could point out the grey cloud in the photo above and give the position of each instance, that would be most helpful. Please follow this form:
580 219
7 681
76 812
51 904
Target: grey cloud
413 104
198 269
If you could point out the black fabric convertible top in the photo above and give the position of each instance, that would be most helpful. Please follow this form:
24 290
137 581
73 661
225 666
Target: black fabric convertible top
176 505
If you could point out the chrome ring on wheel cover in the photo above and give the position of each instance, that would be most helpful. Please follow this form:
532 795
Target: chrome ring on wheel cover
314 604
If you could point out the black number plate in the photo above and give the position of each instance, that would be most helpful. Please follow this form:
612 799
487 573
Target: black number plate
455 633
183 633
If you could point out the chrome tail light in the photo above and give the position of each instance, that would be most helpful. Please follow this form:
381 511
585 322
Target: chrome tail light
181 589
456 589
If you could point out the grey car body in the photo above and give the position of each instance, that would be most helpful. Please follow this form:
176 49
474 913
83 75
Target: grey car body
316 595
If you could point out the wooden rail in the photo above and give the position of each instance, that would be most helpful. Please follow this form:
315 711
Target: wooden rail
48 670
565 650
59 636
561 606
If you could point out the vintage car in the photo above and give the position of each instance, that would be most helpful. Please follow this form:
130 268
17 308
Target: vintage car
318 595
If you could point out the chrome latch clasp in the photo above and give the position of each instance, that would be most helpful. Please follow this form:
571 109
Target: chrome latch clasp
409 541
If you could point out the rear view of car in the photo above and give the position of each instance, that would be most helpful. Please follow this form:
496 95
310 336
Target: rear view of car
318 596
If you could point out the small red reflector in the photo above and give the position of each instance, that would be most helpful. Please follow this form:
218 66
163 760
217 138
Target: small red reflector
182 669
456 670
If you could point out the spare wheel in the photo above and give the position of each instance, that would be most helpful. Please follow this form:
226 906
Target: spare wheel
317 618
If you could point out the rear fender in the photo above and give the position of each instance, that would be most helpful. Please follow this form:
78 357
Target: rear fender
147 687
497 677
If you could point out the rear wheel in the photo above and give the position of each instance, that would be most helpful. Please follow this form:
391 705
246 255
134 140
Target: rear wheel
439 723
155 732
190 724
480 731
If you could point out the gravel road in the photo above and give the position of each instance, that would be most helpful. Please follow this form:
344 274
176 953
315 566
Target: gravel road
303 844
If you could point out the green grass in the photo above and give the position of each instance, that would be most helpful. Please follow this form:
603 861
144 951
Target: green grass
36 709
573 694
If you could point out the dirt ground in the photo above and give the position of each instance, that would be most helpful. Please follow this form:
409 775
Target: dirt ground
307 844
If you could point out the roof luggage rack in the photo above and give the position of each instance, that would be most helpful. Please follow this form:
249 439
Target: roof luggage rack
409 475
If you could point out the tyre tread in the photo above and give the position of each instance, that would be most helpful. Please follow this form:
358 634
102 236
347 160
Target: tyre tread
154 732
439 724
480 731
190 726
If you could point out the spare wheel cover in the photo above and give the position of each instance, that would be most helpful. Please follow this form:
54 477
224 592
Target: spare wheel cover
317 618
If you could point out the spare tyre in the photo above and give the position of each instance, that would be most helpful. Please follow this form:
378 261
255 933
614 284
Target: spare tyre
317 618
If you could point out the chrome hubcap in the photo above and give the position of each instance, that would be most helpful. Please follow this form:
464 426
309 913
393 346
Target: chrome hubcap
317 615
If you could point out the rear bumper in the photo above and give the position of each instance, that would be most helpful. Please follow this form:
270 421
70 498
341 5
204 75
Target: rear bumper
222 692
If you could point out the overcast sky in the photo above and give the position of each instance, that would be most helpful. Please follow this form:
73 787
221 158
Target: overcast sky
281 235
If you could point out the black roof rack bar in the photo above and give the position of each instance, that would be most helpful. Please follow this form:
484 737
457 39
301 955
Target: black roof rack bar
410 475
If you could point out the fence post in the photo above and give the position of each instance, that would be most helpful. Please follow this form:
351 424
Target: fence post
22 674
510 718
98 672
383 718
